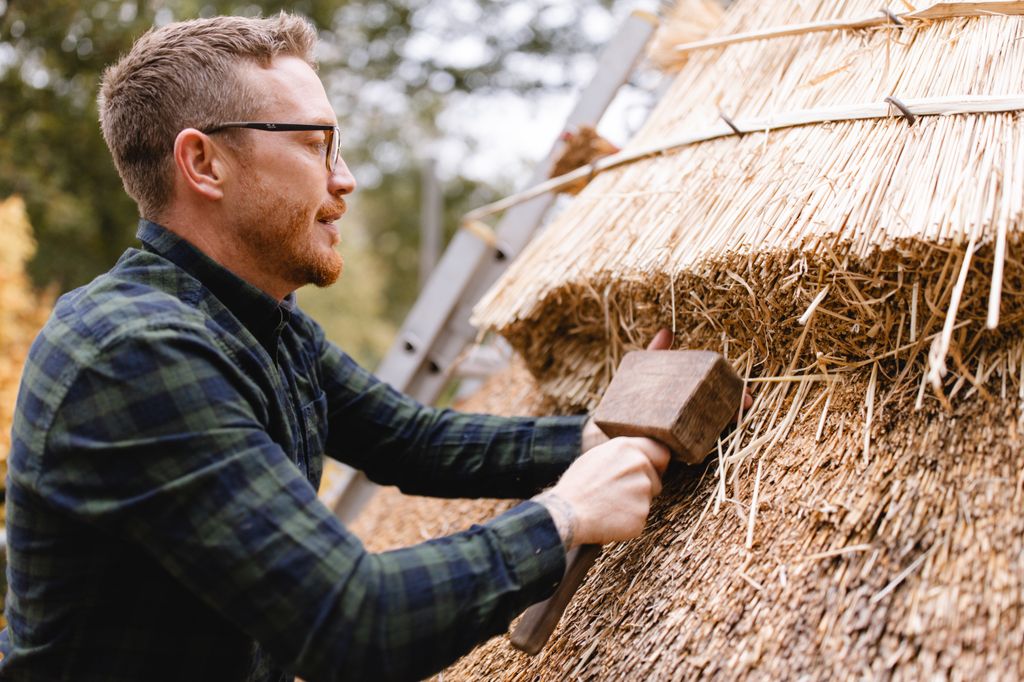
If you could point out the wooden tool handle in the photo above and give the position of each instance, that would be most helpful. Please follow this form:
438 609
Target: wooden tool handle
539 620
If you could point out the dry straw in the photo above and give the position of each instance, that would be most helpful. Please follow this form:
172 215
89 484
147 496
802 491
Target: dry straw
686 22
882 17
867 517
874 187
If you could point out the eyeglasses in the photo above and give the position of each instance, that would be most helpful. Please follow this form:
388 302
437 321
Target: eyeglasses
332 139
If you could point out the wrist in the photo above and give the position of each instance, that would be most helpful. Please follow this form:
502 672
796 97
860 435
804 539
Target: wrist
592 436
562 515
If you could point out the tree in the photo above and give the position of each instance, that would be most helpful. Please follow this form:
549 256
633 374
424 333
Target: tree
390 66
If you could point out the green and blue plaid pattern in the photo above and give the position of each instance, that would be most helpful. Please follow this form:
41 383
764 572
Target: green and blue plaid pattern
162 517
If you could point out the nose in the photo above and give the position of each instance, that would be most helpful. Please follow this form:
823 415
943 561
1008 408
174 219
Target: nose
340 182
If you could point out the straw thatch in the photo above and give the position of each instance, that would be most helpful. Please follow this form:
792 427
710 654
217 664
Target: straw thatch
687 21
778 217
908 567
867 518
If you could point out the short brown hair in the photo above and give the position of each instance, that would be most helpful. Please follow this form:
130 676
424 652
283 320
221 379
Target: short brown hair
186 75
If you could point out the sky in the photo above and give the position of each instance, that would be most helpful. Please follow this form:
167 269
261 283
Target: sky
515 132
508 133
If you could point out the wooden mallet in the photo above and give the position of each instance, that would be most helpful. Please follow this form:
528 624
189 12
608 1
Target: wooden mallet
683 399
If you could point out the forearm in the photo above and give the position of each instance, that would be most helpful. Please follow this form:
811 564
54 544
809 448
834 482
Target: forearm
561 510
397 624
214 502
423 450
481 456
287 573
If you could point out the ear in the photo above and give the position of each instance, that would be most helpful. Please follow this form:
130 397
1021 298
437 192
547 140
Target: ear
199 164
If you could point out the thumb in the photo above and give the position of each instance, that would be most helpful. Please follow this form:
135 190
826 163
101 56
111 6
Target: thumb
661 341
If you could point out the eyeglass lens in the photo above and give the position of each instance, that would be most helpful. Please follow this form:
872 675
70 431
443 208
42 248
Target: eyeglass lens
333 148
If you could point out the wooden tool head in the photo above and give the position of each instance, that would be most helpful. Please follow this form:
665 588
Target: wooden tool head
682 398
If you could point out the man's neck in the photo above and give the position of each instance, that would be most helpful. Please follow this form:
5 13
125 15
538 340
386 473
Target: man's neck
215 240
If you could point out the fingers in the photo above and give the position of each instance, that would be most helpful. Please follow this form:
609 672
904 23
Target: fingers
659 456
748 400
652 473
656 483
661 341
656 453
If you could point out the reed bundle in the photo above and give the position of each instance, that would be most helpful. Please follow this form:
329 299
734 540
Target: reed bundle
867 517
687 21
690 41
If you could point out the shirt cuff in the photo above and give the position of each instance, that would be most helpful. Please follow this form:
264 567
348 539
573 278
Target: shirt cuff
532 548
557 442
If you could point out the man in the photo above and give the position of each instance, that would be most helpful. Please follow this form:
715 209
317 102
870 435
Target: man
162 516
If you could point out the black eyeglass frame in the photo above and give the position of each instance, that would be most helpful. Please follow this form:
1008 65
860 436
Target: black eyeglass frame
333 138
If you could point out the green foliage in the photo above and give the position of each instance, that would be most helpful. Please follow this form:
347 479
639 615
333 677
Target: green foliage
51 152
352 311
391 212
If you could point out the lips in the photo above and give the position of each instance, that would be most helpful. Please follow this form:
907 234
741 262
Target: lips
330 217
327 218
331 214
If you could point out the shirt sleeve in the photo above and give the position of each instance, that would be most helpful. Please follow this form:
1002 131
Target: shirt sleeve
157 442
428 451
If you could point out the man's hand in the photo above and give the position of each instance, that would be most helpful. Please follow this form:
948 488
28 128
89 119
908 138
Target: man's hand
606 494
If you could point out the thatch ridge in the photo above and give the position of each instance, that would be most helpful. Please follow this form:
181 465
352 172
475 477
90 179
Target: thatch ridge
845 191
887 307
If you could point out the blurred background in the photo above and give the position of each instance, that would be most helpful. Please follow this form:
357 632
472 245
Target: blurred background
463 96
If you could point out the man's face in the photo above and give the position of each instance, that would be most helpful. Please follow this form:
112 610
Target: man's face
284 208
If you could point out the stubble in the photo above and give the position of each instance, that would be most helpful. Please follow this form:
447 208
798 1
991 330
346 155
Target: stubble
281 237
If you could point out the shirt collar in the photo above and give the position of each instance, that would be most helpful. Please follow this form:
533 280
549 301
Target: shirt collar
262 314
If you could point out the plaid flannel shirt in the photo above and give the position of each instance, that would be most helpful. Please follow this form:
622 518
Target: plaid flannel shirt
162 515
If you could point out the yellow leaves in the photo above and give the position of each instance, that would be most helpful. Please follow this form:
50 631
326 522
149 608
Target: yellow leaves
22 310
18 244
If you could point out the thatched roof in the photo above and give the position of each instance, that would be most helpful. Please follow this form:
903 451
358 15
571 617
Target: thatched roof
909 566
737 236
867 520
